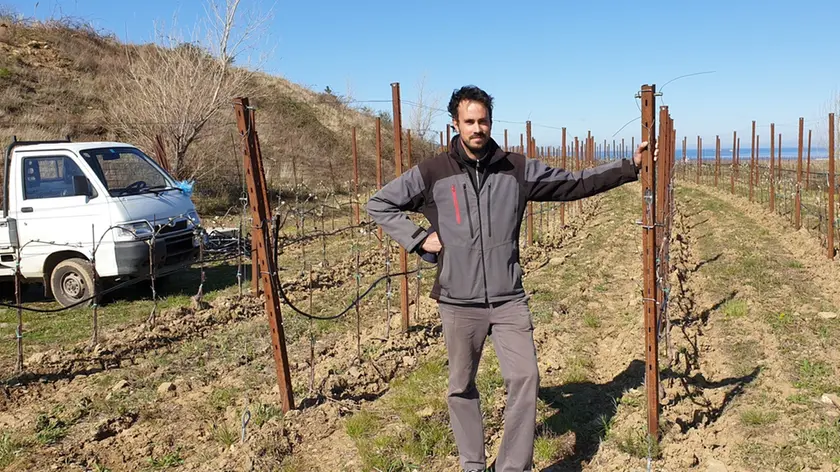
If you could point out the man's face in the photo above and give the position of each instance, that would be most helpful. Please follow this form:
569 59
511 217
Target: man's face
473 124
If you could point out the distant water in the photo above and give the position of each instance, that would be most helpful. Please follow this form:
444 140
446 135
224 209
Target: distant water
763 152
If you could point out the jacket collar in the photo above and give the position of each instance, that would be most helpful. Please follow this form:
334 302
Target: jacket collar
493 153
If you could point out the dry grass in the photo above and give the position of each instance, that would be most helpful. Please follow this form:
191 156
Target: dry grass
57 78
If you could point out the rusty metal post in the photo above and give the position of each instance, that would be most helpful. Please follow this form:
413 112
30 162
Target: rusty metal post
506 140
407 149
261 240
685 157
772 169
263 195
563 166
649 260
808 168
395 99
355 179
734 161
442 147
779 155
797 216
521 144
379 166
830 238
752 160
661 183
529 154
699 162
757 166
717 160
578 168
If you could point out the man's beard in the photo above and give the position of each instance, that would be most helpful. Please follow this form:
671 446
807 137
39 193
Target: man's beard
476 150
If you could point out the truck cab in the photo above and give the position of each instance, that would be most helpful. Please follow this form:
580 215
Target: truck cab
64 200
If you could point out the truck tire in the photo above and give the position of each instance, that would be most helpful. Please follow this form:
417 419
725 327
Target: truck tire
72 281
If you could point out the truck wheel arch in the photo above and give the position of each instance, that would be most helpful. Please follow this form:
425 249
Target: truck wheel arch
52 261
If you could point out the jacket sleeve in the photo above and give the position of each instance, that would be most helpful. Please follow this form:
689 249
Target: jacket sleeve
387 208
544 183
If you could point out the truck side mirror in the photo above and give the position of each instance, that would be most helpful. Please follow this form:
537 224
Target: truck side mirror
81 186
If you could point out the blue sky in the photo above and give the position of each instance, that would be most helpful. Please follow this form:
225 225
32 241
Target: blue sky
572 64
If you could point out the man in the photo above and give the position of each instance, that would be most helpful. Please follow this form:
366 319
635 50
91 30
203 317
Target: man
474 197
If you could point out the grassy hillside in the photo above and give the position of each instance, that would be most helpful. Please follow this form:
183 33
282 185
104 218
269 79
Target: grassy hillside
61 78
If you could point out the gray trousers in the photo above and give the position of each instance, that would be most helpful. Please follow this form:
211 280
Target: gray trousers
510 326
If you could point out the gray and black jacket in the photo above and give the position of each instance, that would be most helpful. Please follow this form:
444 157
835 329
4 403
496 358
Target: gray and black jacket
476 208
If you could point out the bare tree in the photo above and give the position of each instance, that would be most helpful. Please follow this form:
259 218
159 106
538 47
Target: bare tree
423 111
177 86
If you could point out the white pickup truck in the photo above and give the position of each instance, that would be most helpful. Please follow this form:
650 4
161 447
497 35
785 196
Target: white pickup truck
62 198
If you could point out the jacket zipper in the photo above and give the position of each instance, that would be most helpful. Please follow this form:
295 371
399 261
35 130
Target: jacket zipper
469 213
480 236
455 202
489 221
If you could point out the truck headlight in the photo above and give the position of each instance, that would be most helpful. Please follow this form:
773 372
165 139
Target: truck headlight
193 219
132 231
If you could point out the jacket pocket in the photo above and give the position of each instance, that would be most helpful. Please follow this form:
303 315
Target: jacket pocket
505 278
461 277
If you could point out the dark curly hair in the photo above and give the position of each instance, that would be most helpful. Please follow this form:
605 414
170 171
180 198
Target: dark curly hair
473 93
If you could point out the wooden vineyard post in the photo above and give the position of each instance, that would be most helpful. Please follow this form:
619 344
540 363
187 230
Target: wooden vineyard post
797 222
649 259
261 241
831 186
395 100
529 155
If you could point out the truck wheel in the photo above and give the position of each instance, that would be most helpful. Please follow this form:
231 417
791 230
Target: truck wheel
72 281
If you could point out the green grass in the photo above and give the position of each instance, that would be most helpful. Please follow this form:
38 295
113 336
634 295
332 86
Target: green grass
50 429
223 434
410 427
735 309
814 376
549 448
591 321
758 417
637 443
130 306
10 448
167 461
363 425
5 73
826 439
577 370
264 412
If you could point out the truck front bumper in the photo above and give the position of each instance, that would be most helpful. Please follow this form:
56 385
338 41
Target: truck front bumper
133 257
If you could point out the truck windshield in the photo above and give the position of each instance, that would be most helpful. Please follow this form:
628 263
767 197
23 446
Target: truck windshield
125 171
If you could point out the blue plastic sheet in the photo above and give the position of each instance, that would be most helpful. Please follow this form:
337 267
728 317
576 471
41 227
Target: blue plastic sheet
185 186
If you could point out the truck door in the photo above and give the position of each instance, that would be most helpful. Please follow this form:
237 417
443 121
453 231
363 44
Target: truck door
50 216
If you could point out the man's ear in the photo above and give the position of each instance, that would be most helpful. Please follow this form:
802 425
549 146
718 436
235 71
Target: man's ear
455 126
